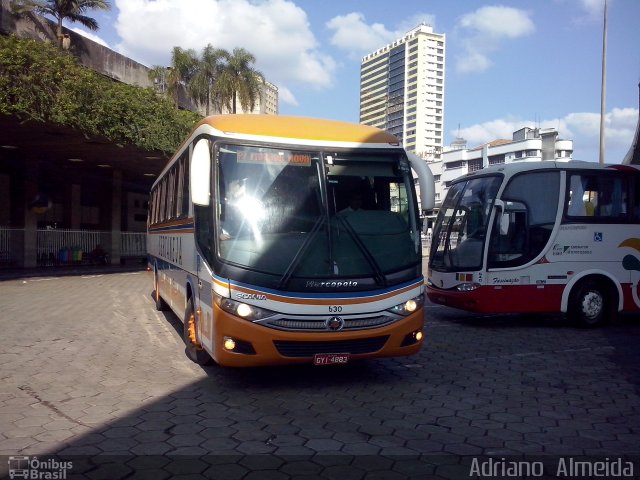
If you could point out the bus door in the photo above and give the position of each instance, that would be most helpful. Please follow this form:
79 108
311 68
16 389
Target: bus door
201 195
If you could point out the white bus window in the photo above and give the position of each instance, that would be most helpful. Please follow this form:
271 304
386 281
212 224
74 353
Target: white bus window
599 197
523 227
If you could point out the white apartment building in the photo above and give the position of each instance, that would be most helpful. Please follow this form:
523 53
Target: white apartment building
527 145
402 90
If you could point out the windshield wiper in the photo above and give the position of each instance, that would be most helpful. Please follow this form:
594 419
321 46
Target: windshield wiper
379 277
300 253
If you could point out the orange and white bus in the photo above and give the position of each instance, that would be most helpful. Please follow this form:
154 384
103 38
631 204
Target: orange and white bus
289 240
540 237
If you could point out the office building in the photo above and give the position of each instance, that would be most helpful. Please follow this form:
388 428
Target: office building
267 103
402 90
526 145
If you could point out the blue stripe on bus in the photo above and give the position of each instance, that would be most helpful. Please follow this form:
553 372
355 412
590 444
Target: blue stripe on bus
188 226
360 294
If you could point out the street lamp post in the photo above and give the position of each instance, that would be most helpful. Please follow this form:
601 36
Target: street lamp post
603 86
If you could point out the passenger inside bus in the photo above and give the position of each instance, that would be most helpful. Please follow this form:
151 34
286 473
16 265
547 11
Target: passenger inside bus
355 203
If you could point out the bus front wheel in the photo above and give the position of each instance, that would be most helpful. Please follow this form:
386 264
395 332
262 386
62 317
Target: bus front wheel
194 349
589 304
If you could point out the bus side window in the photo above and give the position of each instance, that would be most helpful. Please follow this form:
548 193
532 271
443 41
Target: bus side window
612 199
636 198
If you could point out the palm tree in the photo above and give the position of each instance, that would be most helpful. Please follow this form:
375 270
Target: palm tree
158 75
71 10
239 81
202 85
184 65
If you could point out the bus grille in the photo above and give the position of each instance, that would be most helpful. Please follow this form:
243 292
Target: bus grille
309 349
318 325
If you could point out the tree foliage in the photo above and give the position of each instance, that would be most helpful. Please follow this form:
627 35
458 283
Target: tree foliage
61 10
38 82
216 78
239 82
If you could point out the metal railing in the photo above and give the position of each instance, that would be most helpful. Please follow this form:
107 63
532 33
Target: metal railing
133 244
69 247
9 239
62 247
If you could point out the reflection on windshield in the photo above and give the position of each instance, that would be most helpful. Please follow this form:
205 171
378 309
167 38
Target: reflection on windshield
461 228
274 215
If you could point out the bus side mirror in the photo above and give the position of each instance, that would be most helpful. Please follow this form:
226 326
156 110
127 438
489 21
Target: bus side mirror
504 224
200 173
504 217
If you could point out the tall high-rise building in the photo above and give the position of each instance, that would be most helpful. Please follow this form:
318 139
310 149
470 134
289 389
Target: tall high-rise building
402 90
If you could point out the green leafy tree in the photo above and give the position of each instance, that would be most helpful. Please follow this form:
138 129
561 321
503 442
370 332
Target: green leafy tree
239 82
158 75
40 83
61 10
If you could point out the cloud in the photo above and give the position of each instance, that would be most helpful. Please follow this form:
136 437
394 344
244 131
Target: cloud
593 10
277 32
352 33
483 31
583 128
473 62
498 22
286 96
492 130
90 36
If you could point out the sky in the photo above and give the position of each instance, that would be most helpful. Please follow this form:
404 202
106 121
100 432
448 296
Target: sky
509 63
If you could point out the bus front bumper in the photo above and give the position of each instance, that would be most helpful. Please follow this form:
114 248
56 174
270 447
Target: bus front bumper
500 299
470 301
257 345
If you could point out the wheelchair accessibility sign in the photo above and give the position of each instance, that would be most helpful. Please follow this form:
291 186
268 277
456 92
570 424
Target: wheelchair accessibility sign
33 468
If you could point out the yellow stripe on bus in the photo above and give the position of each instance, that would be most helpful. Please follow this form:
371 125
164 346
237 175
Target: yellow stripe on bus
299 128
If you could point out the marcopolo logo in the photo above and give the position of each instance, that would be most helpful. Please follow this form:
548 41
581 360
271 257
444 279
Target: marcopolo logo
36 469
331 284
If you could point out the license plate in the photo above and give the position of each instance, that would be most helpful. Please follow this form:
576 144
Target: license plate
330 358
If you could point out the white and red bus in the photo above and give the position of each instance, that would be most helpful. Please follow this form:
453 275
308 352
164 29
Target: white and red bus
540 237
289 240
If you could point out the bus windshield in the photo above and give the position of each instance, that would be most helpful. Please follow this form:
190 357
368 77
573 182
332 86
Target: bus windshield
462 224
313 214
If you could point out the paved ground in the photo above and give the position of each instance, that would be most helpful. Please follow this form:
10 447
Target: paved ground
90 372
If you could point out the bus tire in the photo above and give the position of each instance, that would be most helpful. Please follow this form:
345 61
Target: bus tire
161 305
193 349
590 304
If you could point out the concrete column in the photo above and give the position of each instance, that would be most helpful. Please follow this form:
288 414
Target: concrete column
30 258
74 213
116 216
5 200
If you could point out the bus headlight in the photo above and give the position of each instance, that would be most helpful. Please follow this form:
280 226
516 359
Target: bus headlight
243 310
409 306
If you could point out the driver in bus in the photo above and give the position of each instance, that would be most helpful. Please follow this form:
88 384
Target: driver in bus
232 221
241 210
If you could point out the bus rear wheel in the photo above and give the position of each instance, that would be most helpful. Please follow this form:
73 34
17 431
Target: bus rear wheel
590 304
161 305
194 349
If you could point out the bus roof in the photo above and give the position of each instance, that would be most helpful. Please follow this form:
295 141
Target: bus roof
513 168
298 128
